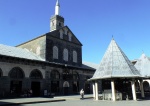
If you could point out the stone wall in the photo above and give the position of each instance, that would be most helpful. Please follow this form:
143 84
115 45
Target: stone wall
37 46
61 44
45 82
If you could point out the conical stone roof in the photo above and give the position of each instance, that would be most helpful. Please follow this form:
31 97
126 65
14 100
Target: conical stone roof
115 64
143 65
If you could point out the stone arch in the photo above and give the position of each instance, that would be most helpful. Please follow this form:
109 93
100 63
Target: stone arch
146 86
66 87
65 54
75 75
1 72
36 77
55 52
75 56
36 74
66 84
16 73
75 83
55 74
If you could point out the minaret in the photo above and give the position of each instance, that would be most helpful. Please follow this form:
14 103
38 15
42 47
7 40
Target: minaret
57 7
56 20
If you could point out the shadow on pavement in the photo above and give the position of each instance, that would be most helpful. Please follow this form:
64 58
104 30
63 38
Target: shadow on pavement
9 104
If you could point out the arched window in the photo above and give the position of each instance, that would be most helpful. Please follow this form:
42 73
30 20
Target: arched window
65 55
146 86
70 36
36 74
75 56
16 73
55 74
1 73
66 84
61 34
75 75
55 52
66 31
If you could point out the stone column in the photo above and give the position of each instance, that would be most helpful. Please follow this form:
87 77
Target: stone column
93 90
113 90
133 89
142 89
96 90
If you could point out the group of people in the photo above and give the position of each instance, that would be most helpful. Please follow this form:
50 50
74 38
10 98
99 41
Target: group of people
17 93
27 93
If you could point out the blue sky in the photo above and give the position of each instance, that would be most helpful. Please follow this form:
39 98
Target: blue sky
92 21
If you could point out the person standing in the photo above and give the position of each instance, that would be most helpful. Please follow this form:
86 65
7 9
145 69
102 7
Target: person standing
82 93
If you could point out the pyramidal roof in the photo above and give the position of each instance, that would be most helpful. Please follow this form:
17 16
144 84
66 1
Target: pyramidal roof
115 64
143 65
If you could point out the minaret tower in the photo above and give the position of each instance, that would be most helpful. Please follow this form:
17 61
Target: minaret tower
56 20
57 7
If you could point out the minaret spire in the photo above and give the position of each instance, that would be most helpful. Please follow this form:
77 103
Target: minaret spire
57 8
56 20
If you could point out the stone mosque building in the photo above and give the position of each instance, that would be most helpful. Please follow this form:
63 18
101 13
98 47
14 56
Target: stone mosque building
51 64
48 64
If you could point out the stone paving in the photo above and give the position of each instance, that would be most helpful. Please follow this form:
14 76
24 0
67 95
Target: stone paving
5 102
70 101
74 97
91 102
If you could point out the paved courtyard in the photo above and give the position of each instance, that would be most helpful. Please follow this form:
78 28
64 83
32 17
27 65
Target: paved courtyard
72 101
90 102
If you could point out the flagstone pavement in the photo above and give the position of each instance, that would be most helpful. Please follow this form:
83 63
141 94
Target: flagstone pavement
70 101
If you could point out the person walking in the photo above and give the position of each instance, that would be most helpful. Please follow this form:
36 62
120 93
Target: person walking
82 94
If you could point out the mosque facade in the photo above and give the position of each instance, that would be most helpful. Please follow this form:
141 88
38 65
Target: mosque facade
50 64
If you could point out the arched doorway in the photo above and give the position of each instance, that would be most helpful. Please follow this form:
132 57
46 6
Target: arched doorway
16 75
1 73
87 86
146 86
36 76
75 83
55 76
66 87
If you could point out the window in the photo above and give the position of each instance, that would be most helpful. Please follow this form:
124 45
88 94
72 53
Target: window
61 34
52 23
65 55
55 74
66 31
59 24
70 36
75 56
36 74
75 75
16 73
55 52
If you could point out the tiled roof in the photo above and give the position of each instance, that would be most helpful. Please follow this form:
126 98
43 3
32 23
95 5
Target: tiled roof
143 65
115 64
90 65
18 53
